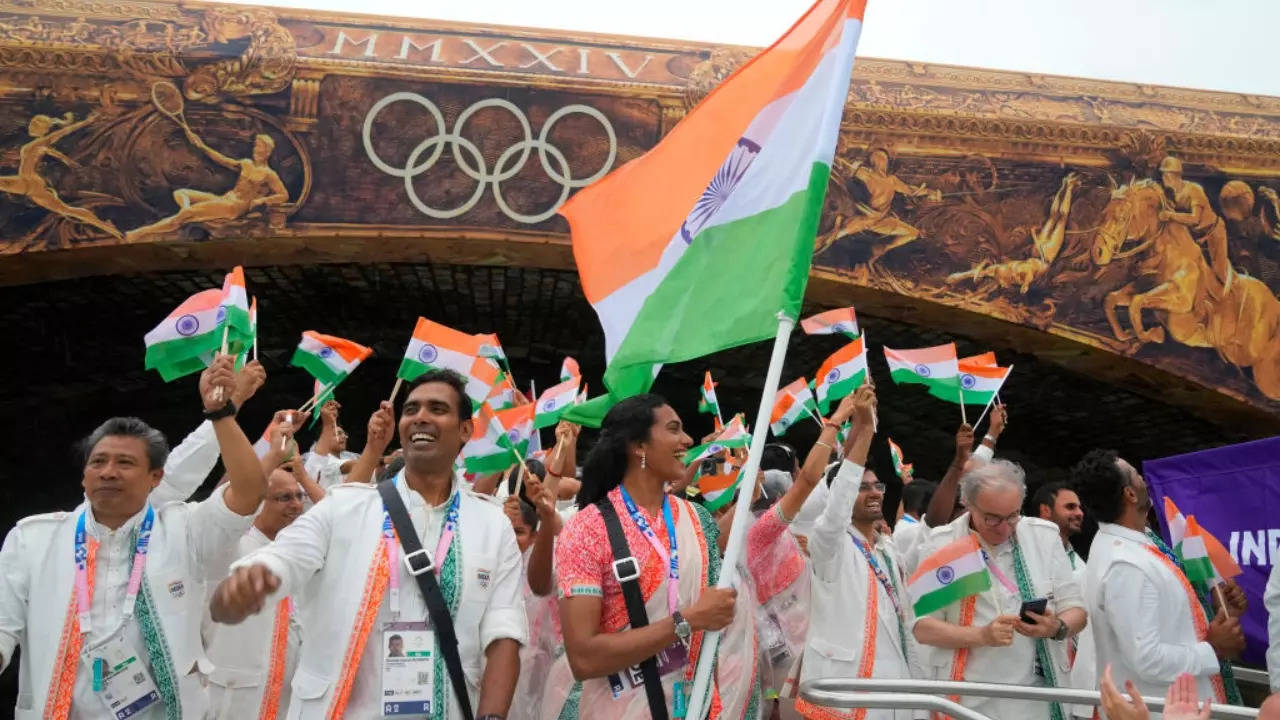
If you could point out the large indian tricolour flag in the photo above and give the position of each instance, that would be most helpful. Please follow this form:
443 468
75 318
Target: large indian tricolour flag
729 199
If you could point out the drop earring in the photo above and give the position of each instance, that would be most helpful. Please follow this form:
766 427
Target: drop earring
644 460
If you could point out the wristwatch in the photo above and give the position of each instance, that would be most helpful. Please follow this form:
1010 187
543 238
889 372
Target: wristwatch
684 631
1063 631
225 411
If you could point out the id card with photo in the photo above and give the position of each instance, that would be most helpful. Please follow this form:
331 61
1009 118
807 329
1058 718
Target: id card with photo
120 678
408 667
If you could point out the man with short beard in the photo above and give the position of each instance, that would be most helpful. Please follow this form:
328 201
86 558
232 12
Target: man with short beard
362 588
1148 624
1060 505
861 615
106 600
254 661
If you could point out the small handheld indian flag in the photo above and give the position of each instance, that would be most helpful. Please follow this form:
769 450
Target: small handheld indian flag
553 403
569 369
435 346
501 439
233 311
794 402
708 403
936 365
734 435
832 322
987 358
182 342
1179 528
490 347
978 384
948 576
841 374
900 466
1195 555
504 394
718 490
329 359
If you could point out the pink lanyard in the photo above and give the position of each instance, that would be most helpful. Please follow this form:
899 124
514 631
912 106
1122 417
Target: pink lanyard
84 598
391 544
1004 579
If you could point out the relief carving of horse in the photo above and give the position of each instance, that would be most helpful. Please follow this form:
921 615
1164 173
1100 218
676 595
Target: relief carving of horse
1241 319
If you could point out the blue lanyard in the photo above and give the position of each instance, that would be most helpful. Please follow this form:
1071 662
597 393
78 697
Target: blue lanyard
880 574
673 559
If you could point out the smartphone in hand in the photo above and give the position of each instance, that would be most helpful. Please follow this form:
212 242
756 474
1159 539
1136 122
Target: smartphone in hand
1037 606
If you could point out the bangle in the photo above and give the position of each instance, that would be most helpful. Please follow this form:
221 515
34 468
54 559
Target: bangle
833 425
988 437
825 445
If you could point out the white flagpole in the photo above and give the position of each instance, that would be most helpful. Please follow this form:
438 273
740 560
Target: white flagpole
701 694
994 396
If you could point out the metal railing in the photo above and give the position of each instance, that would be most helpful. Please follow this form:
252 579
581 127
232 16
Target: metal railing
1249 676
924 695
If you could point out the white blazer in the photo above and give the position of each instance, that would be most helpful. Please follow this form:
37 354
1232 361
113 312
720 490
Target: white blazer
191 544
324 558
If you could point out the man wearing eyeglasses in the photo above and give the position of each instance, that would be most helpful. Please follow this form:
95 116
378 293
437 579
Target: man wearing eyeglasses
986 637
861 617
254 661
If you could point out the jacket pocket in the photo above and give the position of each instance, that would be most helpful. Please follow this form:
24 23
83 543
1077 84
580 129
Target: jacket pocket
831 650
307 692
235 677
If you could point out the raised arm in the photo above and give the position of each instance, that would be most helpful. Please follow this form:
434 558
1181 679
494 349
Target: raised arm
328 440
944 498
309 485
542 557
382 425
832 524
214 155
815 463
248 483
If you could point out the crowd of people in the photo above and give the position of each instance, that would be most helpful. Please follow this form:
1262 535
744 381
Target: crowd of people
331 584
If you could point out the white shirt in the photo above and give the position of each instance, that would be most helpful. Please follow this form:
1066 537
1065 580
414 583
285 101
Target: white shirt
241 654
905 534
1271 599
1141 617
322 562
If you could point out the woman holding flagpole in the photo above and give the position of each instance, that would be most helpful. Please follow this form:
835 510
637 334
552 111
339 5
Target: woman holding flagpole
667 559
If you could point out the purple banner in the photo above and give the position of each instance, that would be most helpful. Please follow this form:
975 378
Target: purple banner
1234 492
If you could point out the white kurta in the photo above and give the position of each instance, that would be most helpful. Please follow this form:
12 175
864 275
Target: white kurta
241 655
1140 616
906 534
325 557
190 544
1271 599
844 587
1050 576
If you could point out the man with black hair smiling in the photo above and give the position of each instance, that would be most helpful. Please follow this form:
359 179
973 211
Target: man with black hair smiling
361 586
1148 624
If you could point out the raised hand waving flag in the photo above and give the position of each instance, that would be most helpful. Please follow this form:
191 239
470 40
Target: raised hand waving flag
794 401
185 341
841 374
734 435
729 199
553 403
978 384
832 322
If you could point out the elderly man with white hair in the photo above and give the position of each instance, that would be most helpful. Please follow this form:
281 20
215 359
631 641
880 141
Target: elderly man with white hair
985 638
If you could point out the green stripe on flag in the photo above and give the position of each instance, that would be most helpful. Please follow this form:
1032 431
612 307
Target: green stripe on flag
317 367
953 592
411 369
723 498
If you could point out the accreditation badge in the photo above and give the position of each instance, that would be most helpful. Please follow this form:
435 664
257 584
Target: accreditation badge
672 659
408 668
120 677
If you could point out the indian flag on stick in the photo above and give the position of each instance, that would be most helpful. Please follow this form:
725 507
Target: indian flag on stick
841 374
1195 556
1179 525
553 403
233 311
900 466
928 366
182 342
949 575
718 490
987 358
734 435
708 403
832 322
729 199
438 347
502 438
794 402
329 359
569 369
490 347
978 384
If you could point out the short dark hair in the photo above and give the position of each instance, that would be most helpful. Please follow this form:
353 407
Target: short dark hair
459 384
1047 495
916 496
1100 483
157 446
778 456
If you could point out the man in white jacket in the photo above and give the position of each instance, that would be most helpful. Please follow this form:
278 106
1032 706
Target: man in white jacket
336 561
861 617
105 600
982 638
1147 622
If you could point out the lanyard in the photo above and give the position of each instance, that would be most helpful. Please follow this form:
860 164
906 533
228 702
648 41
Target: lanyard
908 519
1004 579
672 560
883 577
84 596
391 545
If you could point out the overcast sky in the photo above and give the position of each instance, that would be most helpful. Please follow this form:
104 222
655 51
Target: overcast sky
1212 44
